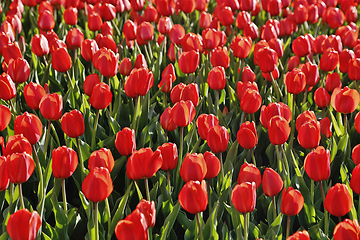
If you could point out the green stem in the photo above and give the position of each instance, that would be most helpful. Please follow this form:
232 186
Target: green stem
252 156
136 112
345 124
69 79
279 159
13 110
274 207
222 165
47 138
305 95
11 194
147 189
82 172
217 102
180 158
110 105
245 226
94 130
312 191
209 194
64 195
287 227
199 225
242 65
41 193
286 163
108 212
276 87
21 197
96 221
168 181
325 211
236 71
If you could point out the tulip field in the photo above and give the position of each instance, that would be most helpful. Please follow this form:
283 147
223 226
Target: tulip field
179 119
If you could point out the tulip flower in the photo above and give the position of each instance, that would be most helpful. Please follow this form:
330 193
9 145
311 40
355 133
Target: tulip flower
143 163
317 164
185 92
338 201
268 59
357 123
204 122
17 144
355 177
292 201
19 70
106 61
293 62
140 62
88 48
46 21
139 82
212 38
216 78
11 51
97 185
125 67
125 141
295 81
345 100
170 156
354 68
218 139
325 127
101 158
213 165
101 96
72 123
166 121
274 109
344 60
279 130
19 174
250 101
301 46
177 32
39 45
299 235
193 168
271 182
64 162
243 197
220 57
30 126
347 229
4 177
51 106
164 25
329 60
188 61
144 32
71 16
332 81
23 225
147 208
249 173
193 197
8 87
90 82
133 226
182 113
242 87
241 46
247 135
192 41
309 134
94 22
5 117
61 60
321 97
74 38
33 93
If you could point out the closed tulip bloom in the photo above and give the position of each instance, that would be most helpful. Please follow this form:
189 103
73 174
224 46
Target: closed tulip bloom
19 70
321 97
51 106
140 61
72 123
17 144
250 101
357 123
188 61
193 167
94 22
311 72
143 163
248 75
106 61
292 202
212 38
192 41
251 30
267 59
148 209
4 177
101 96
7 86
61 60
332 81
301 46
241 46
247 135
30 126
20 167
144 32
170 156
354 69
11 51
55 44
177 32
274 109
220 57
347 229
309 134
134 226
193 197
33 93
5 117
293 62
204 122
216 78
271 182
64 162
108 11
182 113
300 235
329 60
344 59
317 164
213 165
218 139
243 197
345 100
139 82
97 185
355 178
164 25
23 225
74 38
90 82
129 30
88 48
334 17
325 127
295 81
279 130
125 141
305 117
185 92
249 173
46 21
166 121
39 45
338 200
125 67
70 16
101 158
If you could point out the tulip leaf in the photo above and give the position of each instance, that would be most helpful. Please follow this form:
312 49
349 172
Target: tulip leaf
254 231
183 220
60 215
169 222
275 227
209 231
343 143
114 125
335 124
333 149
48 230
4 236
316 233
231 157
192 231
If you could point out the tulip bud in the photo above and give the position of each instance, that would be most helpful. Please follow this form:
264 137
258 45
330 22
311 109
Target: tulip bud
64 162
97 185
338 200
125 141
193 197
243 197
271 182
292 201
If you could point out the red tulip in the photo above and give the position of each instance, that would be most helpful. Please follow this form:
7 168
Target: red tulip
101 158
139 82
185 92
148 209
7 86
72 123
166 121
332 81
248 75
182 113
23 225
204 122
125 141
321 97
101 96
338 200
354 68
309 134
95 22
311 72
220 57
129 30
97 185
188 61
5 117
292 201
299 235
133 226
325 127
39 45
30 126
164 25
213 165
295 81
317 164
274 109
11 51
51 106
334 17
46 21
88 48
4 177
140 62
329 60
193 197
250 101
71 16
144 33
212 38
216 78
345 100
347 229
355 177
218 139
267 59
279 130
170 156
193 167
107 11
357 123
192 41
17 144
61 60
243 197
301 46
143 163
90 82
344 59
249 173
64 162
106 61
247 135
55 44
271 182
177 32
125 67
293 62
305 117
19 70
20 167
241 46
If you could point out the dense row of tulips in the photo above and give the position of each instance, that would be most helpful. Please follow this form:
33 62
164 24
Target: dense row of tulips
85 111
